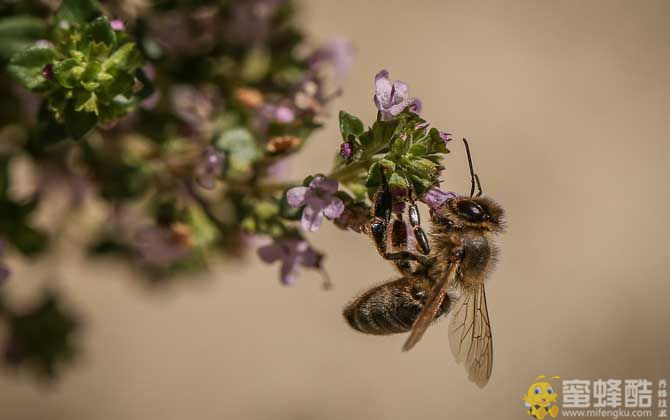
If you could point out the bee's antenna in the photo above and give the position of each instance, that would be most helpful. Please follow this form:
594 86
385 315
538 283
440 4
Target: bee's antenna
474 178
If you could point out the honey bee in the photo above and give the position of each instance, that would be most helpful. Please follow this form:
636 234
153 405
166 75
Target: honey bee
447 279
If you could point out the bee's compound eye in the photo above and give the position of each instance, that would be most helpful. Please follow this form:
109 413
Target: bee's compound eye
538 390
472 211
550 390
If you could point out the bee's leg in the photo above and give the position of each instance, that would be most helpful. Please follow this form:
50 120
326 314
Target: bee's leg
380 228
419 234
415 221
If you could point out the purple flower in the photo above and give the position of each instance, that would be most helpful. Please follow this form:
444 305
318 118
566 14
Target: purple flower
118 25
209 167
391 98
162 246
292 252
445 137
416 106
339 51
435 197
284 114
319 200
346 150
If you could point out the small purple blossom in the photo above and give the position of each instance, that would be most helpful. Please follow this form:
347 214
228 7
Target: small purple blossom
435 197
118 25
162 246
391 98
292 252
445 137
339 51
284 114
319 200
209 167
346 150
48 72
416 106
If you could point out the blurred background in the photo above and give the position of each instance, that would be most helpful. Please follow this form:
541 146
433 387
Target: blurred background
566 107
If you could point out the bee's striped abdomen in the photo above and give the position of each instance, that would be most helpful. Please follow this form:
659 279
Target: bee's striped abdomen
389 308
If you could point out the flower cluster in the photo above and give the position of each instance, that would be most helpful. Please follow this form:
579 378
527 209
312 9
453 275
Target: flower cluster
174 118
400 149
183 115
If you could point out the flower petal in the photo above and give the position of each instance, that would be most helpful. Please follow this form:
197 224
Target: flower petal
397 108
416 106
270 253
435 197
325 185
383 87
334 209
296 196
445 137
311 219
310 258
400 92
287 273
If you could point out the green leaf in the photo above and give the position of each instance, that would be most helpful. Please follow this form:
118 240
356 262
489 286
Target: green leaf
101 31
437 144
17 33
374 176
78 124
350 126
418 149
63 74
398 183
78 11
240 147
126 58
26 66
382 133
29 241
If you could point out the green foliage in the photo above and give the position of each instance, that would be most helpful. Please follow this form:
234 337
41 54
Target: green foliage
17 33
27 66
88 76
350 126
240 147
402 150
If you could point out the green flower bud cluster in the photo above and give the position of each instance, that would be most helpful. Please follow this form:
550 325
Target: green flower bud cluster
404 150
86 73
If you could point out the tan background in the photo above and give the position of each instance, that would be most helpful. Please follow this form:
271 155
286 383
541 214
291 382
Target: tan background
566 104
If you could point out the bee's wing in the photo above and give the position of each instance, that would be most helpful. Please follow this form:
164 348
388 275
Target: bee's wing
435 298
470 334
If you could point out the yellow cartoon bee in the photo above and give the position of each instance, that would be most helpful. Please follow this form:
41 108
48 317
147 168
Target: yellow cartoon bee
541 399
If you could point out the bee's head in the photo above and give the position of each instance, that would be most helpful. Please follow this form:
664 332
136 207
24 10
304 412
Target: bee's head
469 212
475 211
